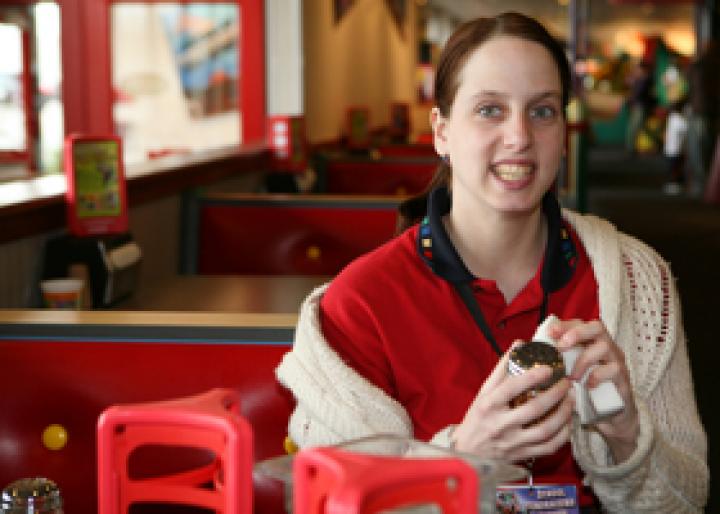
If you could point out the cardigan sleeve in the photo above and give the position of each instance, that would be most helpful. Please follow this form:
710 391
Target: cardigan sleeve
334 402
668 471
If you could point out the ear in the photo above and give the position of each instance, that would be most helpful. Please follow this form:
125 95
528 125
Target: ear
439 127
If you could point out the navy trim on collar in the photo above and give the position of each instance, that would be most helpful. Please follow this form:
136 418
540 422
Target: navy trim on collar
436 249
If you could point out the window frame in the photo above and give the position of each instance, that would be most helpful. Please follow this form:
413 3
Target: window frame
87 90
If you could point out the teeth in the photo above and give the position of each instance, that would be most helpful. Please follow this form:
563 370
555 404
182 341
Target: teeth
513 171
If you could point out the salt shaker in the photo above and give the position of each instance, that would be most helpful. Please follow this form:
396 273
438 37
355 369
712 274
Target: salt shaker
31 496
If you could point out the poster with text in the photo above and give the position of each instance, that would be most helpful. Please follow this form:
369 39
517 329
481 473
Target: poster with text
97 181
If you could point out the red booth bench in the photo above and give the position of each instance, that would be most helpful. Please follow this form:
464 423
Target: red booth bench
288 234
65 368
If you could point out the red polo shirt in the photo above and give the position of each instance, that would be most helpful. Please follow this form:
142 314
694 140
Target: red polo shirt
406 329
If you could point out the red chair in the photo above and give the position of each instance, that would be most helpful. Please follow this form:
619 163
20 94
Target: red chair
333 481
210 422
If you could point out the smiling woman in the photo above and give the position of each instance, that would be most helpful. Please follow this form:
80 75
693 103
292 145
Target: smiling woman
486 255
514 120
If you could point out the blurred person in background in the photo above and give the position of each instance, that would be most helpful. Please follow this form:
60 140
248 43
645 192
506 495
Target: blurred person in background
674 147
641 102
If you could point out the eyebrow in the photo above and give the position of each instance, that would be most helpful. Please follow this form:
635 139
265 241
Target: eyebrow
535 98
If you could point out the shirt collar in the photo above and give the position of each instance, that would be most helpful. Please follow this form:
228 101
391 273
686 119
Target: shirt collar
438 252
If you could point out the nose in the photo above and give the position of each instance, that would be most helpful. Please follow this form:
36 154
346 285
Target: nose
518 133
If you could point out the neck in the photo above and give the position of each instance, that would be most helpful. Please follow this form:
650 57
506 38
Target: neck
504 247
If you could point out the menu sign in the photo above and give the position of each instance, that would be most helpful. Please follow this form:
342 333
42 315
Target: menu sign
96 196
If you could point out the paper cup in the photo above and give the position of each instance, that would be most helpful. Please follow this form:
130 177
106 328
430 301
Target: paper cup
62 293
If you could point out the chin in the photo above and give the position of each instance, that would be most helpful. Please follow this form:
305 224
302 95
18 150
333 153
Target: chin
525 205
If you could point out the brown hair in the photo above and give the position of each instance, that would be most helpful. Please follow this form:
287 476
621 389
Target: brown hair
464 41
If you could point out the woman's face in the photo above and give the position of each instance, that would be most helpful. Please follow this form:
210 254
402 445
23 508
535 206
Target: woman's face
505 132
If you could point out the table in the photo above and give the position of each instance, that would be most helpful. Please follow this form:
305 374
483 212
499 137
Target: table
277 294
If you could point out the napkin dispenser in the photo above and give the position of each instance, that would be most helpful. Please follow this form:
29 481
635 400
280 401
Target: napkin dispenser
120 272
110 264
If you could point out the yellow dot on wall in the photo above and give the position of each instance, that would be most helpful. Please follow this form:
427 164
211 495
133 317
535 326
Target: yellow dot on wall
54 437
313 253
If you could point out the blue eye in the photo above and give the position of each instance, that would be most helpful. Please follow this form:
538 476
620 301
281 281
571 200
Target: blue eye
543 112
490 111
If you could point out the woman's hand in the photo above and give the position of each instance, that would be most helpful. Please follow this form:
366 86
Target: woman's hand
598 349
493 429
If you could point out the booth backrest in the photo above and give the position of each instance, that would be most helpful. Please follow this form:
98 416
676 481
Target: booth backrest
401 177
407 150
68 374
289 234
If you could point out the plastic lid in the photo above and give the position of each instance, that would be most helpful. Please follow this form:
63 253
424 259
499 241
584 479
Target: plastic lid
537 353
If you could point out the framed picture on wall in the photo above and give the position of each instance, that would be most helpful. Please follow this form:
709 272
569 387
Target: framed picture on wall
340 7
205 54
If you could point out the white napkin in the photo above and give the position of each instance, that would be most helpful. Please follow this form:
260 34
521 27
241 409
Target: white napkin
593 404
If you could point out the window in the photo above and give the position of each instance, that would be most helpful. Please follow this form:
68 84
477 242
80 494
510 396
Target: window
49 80
31 113
12 109
175 74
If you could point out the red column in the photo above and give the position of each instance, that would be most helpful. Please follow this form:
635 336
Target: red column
252 70
87 77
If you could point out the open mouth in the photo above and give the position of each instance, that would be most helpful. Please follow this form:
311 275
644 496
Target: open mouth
513 172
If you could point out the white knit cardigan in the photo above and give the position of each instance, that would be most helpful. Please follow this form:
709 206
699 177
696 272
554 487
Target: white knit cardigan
640 308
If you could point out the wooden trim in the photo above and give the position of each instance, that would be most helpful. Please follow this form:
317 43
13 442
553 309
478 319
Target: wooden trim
308 200
133 318
151 181
151 186
45 217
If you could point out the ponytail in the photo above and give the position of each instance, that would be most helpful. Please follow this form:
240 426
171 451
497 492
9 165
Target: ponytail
414 209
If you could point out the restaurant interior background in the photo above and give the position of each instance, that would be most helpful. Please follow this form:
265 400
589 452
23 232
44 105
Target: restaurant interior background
177 86
175 71
164 61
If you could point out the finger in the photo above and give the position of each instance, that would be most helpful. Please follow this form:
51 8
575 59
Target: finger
559 328
546 428
581 333
545 448
511 387
500 373
610 371
516 385
540 405
602 351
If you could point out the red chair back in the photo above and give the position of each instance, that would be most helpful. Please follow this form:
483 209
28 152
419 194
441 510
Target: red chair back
209 421
333 481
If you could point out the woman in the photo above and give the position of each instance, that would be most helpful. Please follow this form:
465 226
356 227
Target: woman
413 337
